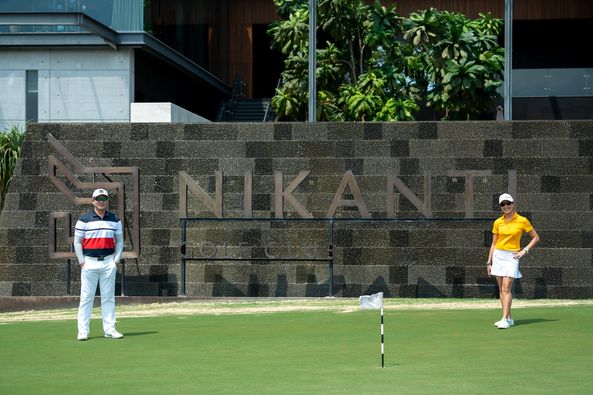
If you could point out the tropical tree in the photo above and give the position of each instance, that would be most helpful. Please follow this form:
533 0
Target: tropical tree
374 65
10 150
456 62
359 68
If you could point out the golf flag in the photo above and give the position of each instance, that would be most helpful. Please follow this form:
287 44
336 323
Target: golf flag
371 302
375 302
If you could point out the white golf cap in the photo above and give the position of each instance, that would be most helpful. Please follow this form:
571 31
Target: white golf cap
99 192
505 197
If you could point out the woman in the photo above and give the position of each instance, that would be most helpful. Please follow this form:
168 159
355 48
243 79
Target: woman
505 252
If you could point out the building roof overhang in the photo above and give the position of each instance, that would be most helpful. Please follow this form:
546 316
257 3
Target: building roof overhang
95 34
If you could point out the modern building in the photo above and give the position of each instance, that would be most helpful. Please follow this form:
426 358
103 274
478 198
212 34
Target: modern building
88 60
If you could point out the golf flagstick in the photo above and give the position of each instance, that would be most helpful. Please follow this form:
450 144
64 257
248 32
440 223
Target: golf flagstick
382 339
375 302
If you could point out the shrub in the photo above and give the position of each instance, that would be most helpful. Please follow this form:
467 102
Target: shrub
10 150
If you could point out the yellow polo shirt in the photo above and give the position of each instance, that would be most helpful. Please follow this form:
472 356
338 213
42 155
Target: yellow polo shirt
509 233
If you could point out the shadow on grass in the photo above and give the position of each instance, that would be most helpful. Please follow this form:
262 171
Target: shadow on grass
130 334
127 334
533 321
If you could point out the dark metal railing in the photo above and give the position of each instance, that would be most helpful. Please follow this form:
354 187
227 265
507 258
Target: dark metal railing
226 109
329 223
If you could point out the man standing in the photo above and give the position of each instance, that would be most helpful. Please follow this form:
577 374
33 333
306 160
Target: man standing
98 243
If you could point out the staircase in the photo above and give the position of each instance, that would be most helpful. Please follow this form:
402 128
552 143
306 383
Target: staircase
249 110
239 108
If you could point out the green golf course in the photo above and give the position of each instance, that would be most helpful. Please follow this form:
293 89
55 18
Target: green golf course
434 351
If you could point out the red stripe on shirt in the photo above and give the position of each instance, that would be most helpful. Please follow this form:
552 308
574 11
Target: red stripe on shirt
98 243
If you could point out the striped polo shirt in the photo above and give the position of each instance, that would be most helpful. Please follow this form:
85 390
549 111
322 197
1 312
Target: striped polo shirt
97 233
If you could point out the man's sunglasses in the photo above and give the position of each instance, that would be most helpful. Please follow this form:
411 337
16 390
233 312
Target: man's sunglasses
505 204
102 198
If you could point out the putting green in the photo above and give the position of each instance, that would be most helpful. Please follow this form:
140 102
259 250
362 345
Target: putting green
322 352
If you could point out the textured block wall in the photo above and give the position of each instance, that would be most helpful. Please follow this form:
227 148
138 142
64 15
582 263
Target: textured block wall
550 164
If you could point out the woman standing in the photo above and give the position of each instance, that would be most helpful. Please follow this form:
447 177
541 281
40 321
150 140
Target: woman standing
505 252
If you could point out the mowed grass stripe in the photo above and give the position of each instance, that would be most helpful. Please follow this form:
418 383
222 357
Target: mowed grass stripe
550 350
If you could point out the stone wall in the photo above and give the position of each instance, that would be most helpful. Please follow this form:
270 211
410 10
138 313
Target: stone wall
464 165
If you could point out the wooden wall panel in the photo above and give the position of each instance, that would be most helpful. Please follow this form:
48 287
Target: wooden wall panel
253 11
470 8
522 9
242 16
553 9
166 13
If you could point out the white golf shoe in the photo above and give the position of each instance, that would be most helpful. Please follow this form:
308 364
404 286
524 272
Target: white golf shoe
510 321
114 335
503 324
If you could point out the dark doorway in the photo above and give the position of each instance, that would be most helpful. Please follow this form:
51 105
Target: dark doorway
267 63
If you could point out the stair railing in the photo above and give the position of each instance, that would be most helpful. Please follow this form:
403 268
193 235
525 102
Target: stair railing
270 115
225 112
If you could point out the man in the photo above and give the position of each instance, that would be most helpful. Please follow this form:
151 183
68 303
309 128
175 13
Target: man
98 243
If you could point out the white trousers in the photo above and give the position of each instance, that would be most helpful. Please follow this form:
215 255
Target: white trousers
93 272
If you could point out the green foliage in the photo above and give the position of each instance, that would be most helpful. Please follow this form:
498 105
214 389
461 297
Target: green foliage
373 65
458 61
10 150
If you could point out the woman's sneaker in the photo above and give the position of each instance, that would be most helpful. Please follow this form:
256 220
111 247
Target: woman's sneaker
509 320
503 324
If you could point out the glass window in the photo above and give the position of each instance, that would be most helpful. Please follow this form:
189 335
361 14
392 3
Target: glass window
32 96
119 15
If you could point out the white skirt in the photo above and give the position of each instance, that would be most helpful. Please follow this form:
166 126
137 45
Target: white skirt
504 264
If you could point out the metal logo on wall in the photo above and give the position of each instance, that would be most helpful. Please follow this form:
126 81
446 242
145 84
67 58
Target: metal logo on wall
55 165
284 196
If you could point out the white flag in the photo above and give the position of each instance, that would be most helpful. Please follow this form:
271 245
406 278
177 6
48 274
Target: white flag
371 302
